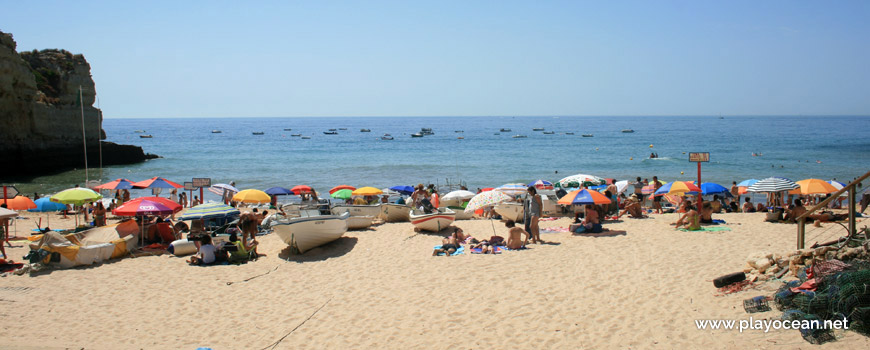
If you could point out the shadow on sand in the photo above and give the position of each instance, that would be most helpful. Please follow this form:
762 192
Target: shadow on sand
332 249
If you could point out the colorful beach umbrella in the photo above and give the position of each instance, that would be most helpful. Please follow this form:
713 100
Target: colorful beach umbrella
513 189
584 197
678 187
278 191
541 184
20 203
813 186
342 194
156 182
406 190
649 189
743 185
252 196
709 188
45 204
76 196
580 179
147 206
300 189
486 199
773 184
367 191
117 184
223 189
341 187
459 194
211 210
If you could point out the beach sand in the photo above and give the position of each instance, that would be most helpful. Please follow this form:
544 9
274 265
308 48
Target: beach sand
641 287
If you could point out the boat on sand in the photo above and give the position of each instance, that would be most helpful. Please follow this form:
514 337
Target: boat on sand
395 212
359 222
433 222
356 210
304 233
510 211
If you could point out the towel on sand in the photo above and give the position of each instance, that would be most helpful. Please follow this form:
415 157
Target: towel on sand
554 229
708 229
497 250
459 251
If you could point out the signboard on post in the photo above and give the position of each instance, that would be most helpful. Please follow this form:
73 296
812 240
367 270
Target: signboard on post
201 182
9 192
699 156
188 186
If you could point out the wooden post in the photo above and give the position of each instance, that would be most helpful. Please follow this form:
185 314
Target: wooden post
801 233
852 208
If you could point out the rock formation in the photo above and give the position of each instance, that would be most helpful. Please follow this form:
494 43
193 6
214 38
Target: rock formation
41 114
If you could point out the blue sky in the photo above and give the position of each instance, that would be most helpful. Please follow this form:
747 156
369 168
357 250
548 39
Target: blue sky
465 58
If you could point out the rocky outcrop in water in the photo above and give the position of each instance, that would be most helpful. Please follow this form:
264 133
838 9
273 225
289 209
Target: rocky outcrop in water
41 114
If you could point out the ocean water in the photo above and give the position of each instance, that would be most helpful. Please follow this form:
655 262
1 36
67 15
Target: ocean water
793 147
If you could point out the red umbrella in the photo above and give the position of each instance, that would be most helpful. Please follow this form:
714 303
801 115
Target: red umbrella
340 187
487 189
302 189
118 184
156 182
147 206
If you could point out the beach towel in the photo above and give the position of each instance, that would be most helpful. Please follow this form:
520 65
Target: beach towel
707 229
459 251
496 250
554 229
718 221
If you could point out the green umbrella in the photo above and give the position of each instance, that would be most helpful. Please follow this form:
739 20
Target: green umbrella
76 196
342 194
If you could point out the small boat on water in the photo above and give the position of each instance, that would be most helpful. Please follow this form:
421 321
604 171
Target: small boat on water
504 130
359 222
296 135
288 129
416 134
549 132
588 135
342 128
304 233
139 131
215 131
498 133
627 131
258 133
330 132
356 210
433 222
537 129
386 138
426 131
332 129
510 211
569 133
460 138
457 131
145 136
365 130
306 137
519 136
391 212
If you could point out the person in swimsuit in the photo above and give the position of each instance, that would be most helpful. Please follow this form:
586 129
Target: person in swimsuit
591 223
707 213
515 239
535 208
690 219
100 214
657 200
747 206
632 208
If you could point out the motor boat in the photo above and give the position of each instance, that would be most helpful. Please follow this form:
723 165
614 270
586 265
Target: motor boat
588 135
549 132
359 222
306 232
306 137
342 128
145 136
460 212
537 129
391 212
330 132
332 129
215 131
498 133
433 222
519 136
569 133
356 210
426 131
139 131
504 130
627 131
386 137
288 129
510 211
365 130
258 133
295 135
458 131
416 134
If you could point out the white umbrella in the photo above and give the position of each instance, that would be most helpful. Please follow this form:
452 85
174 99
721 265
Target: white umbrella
7 214
621 186
222 189
580 178
459 194
486 199
773 184
513 189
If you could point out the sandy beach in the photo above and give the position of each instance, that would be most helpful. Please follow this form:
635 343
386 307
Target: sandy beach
642 286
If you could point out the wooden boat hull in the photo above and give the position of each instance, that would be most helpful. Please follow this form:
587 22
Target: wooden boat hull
395 212
460 213
434 222
359 222
510 211
357 210
305 233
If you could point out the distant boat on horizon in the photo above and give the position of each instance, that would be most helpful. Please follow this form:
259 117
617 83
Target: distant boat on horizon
288 129
588 135
215 131
569 133
519 136
145 136
458 130
549 132
258 133
627 131
330 132
139 131
386 137
342 128
504 130
416 134
365 130
306 137
537 129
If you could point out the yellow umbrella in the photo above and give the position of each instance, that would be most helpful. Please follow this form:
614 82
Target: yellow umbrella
252 196
367 191
813 186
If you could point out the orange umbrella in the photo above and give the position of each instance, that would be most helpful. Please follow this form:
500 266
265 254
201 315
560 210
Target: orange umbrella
341 187
20 203
813 186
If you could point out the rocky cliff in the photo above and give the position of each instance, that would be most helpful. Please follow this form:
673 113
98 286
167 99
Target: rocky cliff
41 114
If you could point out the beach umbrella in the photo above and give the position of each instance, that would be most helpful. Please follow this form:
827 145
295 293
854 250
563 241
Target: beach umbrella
342 194
649 189
709 188
20 203
621 186
76 196
45 204
223 189
580 179
367 191
837 184
341 187
300 189
513 189
252 196
278 191
403 189
156 182
459 194
210 210
773 184
7 214
813 186
147 206
743 185
487 189
678 187
117 184
541 184
583 197
486 199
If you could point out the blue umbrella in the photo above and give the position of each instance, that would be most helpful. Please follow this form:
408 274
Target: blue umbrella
747 183
277 191
45 204
403 189
709 188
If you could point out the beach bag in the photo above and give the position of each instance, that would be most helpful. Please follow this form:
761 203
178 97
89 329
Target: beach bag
496 241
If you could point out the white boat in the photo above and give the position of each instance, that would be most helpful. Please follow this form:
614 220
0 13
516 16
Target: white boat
434 222
416 134
460 213
356 210
519 136
504 130
627 131
145 136
537 129
359 222
304 233
510 211
215 131
395 212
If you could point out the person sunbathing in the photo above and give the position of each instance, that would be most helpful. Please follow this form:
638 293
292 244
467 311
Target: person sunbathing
449 246
795 211
591 223
632 207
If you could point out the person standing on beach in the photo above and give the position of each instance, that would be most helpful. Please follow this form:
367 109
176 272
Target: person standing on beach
535 207
125 196
638 189
657 200
735 191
